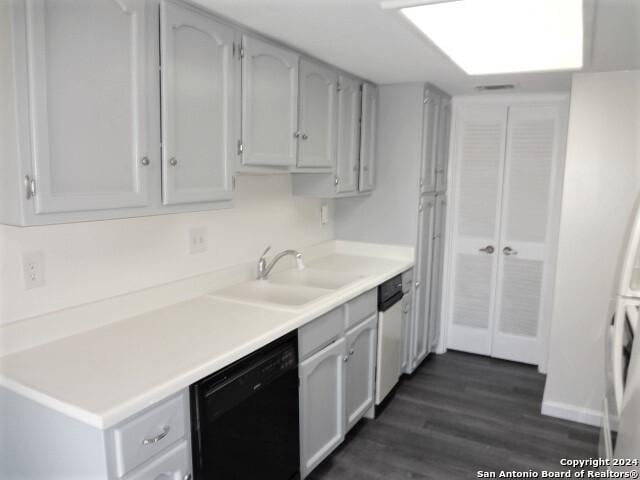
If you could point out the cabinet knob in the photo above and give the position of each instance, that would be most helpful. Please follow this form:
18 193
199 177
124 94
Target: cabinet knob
296 134
187 476
346 358
144 161
336 180
417 284
351 352
509 251
173 161
305 136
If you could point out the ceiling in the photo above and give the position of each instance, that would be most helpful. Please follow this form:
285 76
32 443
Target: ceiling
380 45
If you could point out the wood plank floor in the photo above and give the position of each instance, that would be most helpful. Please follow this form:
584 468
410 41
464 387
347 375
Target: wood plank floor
457 414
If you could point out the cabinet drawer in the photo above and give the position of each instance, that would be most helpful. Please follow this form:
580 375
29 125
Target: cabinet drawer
361 308
320 332
146 435
174 464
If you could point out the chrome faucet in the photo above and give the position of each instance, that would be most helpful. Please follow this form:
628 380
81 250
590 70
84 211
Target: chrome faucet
264 269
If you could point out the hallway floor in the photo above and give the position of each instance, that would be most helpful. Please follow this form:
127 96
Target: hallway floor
458 414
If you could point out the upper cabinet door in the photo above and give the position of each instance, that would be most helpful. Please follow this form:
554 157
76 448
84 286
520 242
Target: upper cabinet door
349 98
431 120
197 116
269 104
89 67
368 138
442 159
318 116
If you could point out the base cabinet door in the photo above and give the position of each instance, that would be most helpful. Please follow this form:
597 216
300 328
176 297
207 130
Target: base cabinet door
322 404
360 370
407 301
197 92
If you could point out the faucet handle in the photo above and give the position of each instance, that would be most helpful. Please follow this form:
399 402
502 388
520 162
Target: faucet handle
265 251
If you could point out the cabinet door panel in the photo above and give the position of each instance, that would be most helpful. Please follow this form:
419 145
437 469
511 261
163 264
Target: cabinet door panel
368 137
435 303
318 116
88 67
322 404
407 308
360 374
430 122
269 104
197 91
442 162
479 143
423 270
349 98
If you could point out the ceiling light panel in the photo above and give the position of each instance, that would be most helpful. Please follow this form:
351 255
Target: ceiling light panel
504 36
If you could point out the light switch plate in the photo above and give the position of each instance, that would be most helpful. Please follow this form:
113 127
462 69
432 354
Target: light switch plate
197 240
33 269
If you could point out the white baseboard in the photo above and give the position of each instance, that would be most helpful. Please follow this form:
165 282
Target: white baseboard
572 413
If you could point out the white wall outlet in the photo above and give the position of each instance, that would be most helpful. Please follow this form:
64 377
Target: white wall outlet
197 240
324 214
33 268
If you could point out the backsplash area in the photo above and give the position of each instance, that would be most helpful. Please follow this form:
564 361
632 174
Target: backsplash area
86 262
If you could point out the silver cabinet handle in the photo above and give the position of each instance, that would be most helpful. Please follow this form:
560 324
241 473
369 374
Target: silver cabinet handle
420 207
422 182
305 136
336 180
346 358
509 251
417 284
351 352
187 476
488 249
157 438
144 161
297 134
173 161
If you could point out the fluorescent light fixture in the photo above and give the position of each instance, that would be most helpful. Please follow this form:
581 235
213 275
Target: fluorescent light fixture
504 36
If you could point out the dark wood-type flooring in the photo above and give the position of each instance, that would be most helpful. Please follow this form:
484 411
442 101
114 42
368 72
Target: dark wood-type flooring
457 414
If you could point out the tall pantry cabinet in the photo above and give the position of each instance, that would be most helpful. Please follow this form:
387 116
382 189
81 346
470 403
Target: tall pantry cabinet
408 205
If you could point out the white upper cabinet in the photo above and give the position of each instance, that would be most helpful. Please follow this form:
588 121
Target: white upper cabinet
317 134
368 137
197 110
269 104
88 88
349 98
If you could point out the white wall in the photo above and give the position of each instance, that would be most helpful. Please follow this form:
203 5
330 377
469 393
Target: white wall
600 188
389 214
85 262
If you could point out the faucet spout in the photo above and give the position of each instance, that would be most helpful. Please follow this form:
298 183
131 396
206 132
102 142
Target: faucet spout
265 268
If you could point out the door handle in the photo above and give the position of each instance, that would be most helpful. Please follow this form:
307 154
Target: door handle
488 249
509 251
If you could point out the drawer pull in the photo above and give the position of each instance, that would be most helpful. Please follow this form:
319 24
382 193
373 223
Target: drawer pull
157 438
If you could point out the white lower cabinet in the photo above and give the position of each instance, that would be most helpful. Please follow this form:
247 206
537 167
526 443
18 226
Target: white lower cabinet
322 400
337 376
360 370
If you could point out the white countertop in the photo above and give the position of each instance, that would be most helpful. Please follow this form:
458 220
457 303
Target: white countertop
107 374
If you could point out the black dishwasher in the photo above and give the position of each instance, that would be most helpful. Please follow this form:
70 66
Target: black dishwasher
244 418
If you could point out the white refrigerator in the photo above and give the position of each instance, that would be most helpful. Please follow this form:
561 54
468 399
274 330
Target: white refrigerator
620 433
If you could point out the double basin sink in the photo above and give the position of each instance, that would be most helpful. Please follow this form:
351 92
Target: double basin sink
289 289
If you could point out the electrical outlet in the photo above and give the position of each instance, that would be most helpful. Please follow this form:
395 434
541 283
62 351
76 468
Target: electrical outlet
324 214
33 269
197 240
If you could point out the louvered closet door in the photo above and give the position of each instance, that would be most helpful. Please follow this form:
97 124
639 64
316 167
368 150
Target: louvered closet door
533 148
479 146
